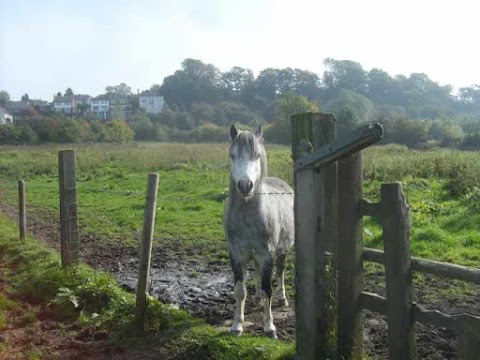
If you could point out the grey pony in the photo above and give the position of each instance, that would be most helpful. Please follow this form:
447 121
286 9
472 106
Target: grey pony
258 223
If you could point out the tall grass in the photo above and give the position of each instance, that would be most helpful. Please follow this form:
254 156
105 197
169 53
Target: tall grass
441 186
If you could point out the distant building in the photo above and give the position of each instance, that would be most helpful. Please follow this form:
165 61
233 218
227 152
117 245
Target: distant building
39 104
16 107
111 107
72 104
100 106
66 104
120 107
151 103
5 117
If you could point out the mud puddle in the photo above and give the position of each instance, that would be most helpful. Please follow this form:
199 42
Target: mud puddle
203 290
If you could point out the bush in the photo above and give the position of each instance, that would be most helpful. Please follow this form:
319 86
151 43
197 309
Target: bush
118 131
211 133
17 135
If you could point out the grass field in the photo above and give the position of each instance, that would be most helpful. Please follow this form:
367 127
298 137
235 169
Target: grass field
441 186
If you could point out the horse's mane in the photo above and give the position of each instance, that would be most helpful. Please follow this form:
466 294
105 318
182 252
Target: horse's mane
254 145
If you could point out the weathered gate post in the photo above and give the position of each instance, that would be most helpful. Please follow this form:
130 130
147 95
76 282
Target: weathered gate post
314 234
68 208
395 218
349 257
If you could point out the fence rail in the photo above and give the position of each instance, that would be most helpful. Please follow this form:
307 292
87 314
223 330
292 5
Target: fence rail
393 214
451 271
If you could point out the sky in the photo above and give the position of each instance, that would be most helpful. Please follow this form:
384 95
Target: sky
47 46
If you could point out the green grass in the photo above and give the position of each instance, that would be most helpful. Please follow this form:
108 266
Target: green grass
92 299
441 188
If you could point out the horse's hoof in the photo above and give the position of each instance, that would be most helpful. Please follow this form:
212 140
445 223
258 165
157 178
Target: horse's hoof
271 334
236 333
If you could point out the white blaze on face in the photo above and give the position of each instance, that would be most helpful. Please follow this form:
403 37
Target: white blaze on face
245 169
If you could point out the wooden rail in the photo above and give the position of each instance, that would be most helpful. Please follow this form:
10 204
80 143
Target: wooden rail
455 322
438 268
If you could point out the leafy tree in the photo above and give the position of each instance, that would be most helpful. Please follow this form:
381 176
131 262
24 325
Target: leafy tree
469 98
83 108
347 119
144 128
69 92
236 81
228 112
25 97
380 86
306 83
195 82
287 106
183 120
292 104
343 75
362 107
156 89
48 130
118 113
266 84
120 90
451 135
70 131
4 97
411 133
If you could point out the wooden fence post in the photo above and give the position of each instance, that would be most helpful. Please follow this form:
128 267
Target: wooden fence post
22 210
68 208
349 257
146 249
395 218
315 232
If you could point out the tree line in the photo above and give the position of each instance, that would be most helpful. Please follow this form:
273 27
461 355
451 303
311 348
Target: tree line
201 101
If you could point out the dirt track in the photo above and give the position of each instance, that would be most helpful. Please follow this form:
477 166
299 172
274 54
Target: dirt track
205 290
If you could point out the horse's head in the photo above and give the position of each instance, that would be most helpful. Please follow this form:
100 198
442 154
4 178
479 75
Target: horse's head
248 160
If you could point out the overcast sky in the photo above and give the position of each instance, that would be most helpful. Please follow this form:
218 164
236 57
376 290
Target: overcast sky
47 46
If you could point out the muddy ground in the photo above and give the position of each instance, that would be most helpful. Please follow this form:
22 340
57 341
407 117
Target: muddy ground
204 288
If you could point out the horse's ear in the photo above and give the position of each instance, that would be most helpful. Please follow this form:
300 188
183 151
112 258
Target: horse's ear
233 132
259 131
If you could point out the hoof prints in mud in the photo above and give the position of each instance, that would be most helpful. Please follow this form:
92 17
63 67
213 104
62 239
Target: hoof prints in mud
189 285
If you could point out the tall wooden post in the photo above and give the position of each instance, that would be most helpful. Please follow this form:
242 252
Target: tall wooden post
146 249
315 232
68 208
349 257
22 210
395 218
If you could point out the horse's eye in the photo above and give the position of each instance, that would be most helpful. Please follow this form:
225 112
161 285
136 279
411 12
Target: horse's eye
231 156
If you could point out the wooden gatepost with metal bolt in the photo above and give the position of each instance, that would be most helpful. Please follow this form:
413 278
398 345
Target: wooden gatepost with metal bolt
328 236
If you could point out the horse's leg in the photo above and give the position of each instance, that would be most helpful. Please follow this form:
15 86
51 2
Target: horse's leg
280 290
258 268
240 292
267 268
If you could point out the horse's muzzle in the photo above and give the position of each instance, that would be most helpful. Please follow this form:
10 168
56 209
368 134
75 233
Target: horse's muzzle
245 187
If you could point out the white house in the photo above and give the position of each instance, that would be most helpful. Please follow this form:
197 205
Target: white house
65 104
100 106
5 117
150 102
